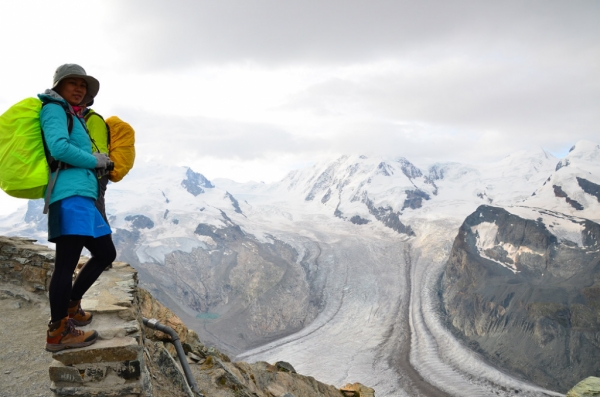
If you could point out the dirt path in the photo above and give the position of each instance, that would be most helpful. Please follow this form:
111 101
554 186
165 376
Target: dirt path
23 360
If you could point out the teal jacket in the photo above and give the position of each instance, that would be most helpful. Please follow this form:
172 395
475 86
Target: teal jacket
74 149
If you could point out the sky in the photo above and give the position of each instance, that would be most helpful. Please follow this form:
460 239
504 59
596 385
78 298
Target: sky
249 90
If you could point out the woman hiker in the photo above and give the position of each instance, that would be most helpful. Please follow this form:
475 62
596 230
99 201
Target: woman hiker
73 220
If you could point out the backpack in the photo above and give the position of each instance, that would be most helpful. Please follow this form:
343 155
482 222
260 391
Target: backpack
121 145
25 162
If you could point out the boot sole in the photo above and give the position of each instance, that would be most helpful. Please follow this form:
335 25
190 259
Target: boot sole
56 347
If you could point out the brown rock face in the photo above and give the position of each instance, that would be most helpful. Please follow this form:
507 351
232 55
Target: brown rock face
151 308
536 313
357 390
588 387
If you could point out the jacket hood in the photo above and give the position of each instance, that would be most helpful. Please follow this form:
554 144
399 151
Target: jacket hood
52 96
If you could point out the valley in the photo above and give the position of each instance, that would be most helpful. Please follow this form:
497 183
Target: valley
345 269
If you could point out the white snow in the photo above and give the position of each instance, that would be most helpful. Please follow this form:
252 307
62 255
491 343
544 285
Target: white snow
564 227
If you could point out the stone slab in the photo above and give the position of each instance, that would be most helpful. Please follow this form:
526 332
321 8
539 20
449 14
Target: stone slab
116 349
105 374
113 291
62 373
136 390
111 326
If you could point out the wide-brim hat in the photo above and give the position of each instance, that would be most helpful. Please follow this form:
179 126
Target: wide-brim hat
73 70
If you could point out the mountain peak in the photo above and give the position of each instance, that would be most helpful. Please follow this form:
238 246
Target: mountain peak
408 168
195 182
584 151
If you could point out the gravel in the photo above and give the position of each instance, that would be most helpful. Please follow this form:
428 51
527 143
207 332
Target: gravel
24 361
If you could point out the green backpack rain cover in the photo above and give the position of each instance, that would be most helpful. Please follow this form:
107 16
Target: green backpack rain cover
23 164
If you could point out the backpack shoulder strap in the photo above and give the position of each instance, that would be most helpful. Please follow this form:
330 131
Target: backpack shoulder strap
69 122
89 113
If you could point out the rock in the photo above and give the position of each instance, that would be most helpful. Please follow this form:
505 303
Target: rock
285 367
357 390
259 379
195 182
588 387
140 221
151 308
195 357
165 371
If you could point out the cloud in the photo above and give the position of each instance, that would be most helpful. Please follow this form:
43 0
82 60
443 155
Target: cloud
312 31
280 82
188 137
542 106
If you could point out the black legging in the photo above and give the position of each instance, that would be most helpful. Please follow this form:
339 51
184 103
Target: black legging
68 251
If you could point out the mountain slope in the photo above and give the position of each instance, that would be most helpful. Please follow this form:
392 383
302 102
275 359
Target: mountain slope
389 191
522 284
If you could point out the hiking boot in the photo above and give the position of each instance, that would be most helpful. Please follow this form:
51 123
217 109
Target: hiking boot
62 334
77 315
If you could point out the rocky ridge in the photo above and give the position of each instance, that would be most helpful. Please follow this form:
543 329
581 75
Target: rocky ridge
522 284
118 306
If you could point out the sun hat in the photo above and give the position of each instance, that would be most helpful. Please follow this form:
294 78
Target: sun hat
73 70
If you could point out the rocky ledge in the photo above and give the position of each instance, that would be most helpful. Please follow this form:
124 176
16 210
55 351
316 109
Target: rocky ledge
132 360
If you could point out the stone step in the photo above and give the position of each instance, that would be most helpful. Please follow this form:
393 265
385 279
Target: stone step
112 326
105 382
110 350
112 293
96 374
114 365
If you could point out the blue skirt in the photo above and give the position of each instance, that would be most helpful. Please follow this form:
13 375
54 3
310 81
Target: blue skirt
76 215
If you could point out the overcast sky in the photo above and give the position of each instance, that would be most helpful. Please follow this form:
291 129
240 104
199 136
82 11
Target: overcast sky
249 90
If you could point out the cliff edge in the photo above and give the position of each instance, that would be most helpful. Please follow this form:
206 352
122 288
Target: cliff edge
129 359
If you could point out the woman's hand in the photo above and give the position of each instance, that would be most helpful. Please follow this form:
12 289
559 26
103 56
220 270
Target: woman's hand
102 160
103 165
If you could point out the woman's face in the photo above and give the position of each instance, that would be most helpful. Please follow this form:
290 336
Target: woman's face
72 89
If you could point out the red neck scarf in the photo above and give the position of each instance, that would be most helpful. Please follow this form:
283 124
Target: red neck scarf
78 110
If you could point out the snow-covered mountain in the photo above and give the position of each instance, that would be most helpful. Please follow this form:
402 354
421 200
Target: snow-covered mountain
522 281
340 261
363 190
563 204
155 198
574 187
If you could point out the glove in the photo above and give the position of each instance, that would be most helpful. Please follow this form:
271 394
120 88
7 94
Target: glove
102 160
